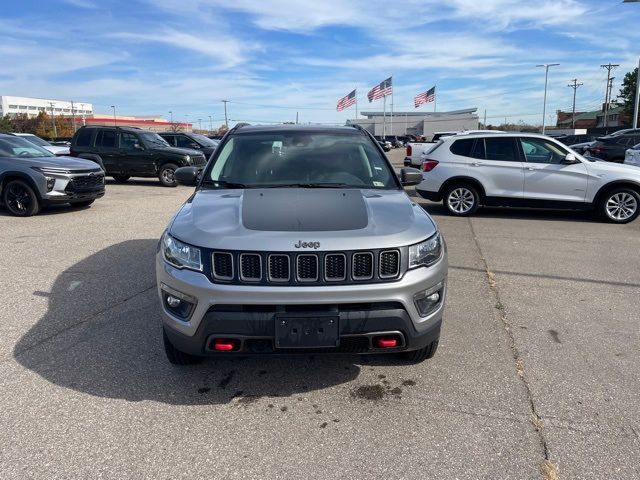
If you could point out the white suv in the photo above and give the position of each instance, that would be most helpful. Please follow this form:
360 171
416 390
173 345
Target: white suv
527 170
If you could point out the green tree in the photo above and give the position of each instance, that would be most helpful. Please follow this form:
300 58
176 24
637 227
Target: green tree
628 91
6 124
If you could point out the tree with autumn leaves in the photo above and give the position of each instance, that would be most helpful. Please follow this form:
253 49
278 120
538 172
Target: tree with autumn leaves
42 126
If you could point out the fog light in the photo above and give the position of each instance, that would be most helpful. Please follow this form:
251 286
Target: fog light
172 301
429 300
50 183
179 304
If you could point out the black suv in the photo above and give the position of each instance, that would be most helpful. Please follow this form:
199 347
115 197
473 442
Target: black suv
613 147
191 140
131 152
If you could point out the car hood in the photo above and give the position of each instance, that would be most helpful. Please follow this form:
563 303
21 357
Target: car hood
68 163
178 151
277 219
614 171
56 150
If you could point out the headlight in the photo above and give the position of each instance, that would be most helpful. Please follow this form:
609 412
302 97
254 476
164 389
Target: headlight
180 254
187 158
426 253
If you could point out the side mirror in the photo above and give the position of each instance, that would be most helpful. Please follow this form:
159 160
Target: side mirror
410 176
570 159
187 176
137 146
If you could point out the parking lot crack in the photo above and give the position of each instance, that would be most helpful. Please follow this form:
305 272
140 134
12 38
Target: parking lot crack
547 468
84 320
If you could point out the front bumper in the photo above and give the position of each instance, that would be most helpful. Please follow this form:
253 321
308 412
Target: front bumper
249 312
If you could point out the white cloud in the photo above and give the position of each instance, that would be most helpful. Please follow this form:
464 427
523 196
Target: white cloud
230 51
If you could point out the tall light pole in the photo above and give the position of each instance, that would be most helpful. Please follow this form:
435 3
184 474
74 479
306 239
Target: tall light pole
114 115
544 106
575 86
171 113
226 120
73 116
53 121
635 109
210 123
83 117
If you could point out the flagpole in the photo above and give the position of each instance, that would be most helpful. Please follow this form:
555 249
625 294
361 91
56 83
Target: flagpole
435 97
391 105
384 117
356 104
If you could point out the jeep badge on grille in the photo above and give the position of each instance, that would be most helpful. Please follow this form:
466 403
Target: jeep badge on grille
302 244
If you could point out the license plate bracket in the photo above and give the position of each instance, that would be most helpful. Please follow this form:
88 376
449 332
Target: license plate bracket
307 331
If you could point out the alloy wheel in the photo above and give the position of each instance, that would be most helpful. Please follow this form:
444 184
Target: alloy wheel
168 175
621 206
18 199
461 200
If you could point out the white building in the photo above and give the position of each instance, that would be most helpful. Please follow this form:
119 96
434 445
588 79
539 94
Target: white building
417 123
33 106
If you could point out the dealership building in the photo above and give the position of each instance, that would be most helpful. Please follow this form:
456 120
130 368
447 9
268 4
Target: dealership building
417 123
31 107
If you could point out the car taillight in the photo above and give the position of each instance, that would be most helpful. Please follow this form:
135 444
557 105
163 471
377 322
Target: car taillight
409 149
429 165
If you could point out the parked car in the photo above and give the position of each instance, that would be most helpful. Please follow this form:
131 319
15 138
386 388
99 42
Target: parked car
612 148
416 151
190 140
300 239
32 177
582 148
632 156
574 139
131 152
55 149
529 170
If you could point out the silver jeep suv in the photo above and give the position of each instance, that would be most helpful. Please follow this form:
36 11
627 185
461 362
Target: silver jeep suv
300 239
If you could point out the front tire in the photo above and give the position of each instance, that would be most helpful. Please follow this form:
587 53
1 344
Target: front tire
417 356
461 200
177 357
20 199
620 205
121 178
167 175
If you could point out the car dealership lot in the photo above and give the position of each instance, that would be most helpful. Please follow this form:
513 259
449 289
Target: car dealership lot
540 333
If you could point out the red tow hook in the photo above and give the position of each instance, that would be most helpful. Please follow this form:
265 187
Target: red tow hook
225 345
386 342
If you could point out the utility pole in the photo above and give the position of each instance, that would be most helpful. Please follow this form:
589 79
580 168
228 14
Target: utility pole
114 115
83 117
200 124
485 119
210 123
575 85
53 121
73 116
634 122
226 120
544 105
609 67
296 118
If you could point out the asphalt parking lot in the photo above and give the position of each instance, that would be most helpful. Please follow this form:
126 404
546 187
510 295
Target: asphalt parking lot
539 359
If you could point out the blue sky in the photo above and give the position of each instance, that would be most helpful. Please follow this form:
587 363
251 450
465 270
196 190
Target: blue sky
271 58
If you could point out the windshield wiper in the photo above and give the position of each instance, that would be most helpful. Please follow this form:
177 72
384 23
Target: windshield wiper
309 185
225 184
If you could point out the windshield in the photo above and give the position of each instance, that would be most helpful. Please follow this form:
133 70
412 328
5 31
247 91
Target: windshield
206 141
300 159
17 147
151 139
36 140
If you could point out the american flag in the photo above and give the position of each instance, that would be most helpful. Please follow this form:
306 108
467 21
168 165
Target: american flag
425 97
383 89
346 102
